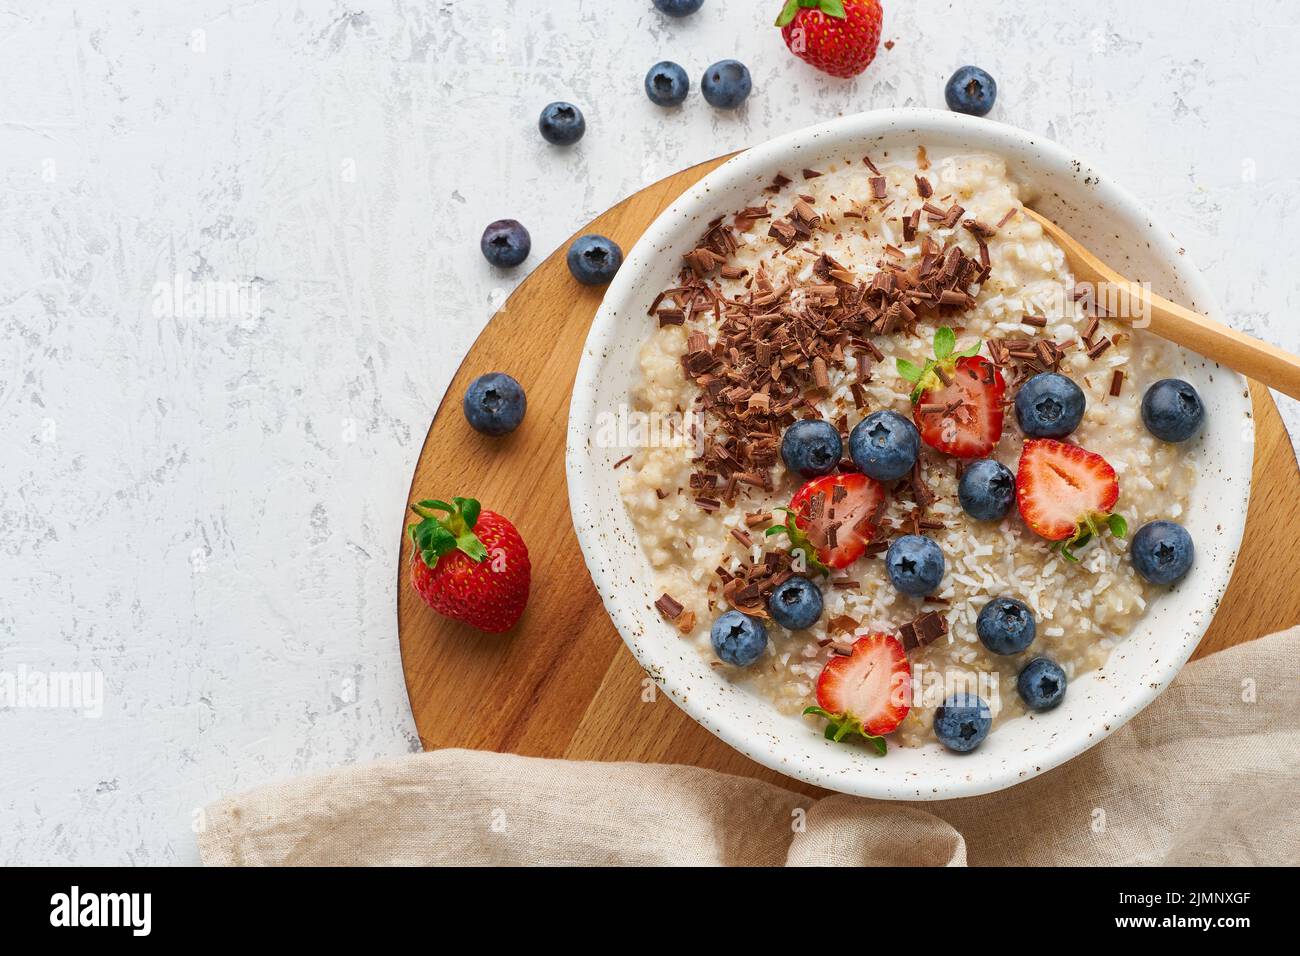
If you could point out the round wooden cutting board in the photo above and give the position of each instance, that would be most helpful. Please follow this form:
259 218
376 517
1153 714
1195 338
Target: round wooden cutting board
562 684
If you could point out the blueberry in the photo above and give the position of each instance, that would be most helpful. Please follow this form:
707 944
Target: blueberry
884 445
1006 626
738 638
1049 405
963 722
562 124
811 448
726 84
1172 410
986 489
1162 552
505 243
679 8
593 259
667 84
915 564
971 90
495 403
1041 684
795 604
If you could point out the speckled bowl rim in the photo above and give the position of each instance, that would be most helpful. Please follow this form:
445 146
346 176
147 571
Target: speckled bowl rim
789 745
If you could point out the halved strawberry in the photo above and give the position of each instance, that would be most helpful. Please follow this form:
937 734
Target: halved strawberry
867 693
832 519
1066 492
957 401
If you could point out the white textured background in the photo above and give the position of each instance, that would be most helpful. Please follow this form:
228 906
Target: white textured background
207 509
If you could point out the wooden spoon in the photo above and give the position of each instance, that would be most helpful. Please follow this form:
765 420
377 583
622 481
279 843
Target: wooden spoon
1249 356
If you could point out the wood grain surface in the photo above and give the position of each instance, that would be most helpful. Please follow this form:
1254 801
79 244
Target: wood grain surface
562 684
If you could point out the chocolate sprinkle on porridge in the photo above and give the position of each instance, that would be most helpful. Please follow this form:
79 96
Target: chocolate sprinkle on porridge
923 630
669 607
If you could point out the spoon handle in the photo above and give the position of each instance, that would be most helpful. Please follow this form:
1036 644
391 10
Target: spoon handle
1248 355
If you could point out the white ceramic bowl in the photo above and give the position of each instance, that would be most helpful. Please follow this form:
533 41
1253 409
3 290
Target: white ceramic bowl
1106 219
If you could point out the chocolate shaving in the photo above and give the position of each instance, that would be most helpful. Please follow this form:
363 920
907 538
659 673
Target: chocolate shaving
783 232
669 607
843 624
921 492
1098 348
771 347
820 374
910 225
1116 382
923 630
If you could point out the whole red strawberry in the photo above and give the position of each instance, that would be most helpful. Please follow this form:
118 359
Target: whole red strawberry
838 37
469 564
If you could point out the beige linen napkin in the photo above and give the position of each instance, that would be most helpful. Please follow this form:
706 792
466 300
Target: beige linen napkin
1208 774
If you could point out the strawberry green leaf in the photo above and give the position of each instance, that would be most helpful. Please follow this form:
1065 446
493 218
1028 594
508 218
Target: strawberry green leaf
787 12
831 8
1068 548
909 371
922 383
840 726
1064 550
1091 526
971 351
469 510
945 340
799 542
435 536
472 546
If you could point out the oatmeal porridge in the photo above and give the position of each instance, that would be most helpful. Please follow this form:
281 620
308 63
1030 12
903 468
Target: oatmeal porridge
913 285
